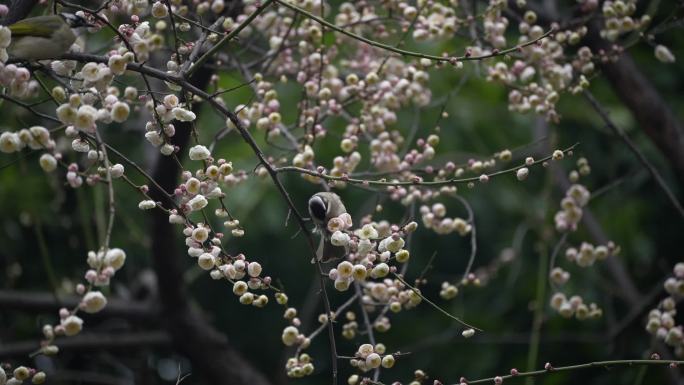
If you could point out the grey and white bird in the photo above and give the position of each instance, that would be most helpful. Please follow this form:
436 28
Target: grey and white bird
324 206
44 37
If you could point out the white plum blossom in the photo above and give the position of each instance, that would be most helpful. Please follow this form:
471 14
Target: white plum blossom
198 202
183 115
115 258
10 142
48 162
80 145
117 64
85 118
339 238
93 302
72 325
66 113
120 111
199 152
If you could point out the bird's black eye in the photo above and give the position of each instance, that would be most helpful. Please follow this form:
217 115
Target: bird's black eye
317 208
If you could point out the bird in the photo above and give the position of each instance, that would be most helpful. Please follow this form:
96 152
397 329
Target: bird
44 37
324 206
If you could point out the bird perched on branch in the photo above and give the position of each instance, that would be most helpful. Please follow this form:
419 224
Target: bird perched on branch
324 206
44 37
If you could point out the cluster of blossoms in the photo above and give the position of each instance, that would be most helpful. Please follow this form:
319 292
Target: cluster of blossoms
661 320
371 248
35 138
584 256
438 22
619 19
15 79
576 197
587 253
21 375
567 307
435 218
301 364
203 243
369 357
380 86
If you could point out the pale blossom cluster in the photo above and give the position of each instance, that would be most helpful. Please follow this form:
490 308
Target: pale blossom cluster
574 306
16 80
372 248
661 320
437 22
576 197
586 254
369 357
619 18
434 217
21 375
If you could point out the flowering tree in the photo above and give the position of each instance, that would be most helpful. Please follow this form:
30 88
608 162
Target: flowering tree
220 119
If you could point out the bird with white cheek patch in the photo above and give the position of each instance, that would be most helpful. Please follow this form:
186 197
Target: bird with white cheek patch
324 206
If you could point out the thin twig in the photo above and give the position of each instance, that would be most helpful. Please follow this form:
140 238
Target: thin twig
640 156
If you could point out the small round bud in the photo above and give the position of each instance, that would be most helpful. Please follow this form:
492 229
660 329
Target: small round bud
388 361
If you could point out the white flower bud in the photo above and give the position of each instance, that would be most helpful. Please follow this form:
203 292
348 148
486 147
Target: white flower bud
290 335
342 284
388 361
198 202
359 272
116 171
344 269
120 111
247 298
38 378
159 10
66 113
199 152
117 64
522 173
85 117
339 238
183 115
115 258
468 333
254 269
373 360
93 302
380 270
48 162
10 142
90 72
200 234
147 204
206 261
664 54
72 325
240 288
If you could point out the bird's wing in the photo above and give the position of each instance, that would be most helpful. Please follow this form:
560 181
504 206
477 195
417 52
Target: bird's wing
29 28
